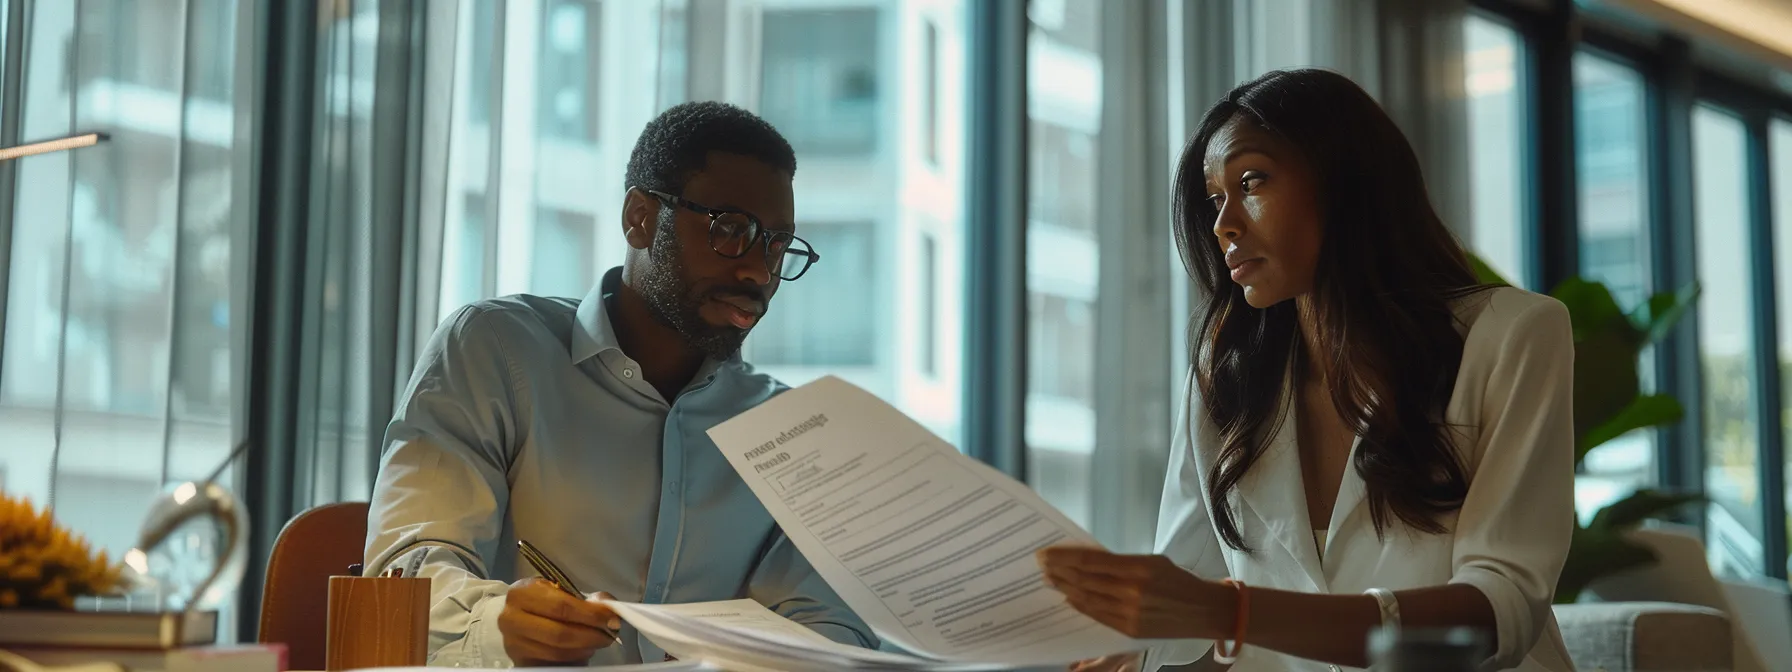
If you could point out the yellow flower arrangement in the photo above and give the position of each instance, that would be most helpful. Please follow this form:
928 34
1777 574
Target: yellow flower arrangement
43 565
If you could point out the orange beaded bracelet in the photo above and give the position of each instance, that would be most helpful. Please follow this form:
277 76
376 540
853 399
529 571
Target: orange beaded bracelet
1220 653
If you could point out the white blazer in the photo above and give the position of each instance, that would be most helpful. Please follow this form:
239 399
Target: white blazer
1513 402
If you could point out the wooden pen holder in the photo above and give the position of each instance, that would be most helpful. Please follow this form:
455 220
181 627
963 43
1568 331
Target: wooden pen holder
377 622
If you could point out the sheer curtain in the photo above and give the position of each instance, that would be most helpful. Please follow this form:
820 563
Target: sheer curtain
120 369
473 148
1412 55
1409 54
477 148
462 149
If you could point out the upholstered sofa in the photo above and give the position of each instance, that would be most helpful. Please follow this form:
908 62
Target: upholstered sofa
1675 614
1646 637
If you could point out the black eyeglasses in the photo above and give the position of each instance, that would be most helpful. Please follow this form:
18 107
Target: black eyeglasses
733 233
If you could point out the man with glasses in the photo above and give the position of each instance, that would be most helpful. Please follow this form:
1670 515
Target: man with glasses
579 426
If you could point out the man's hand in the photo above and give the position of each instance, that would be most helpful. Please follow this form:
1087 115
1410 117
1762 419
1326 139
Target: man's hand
1125 662
544 626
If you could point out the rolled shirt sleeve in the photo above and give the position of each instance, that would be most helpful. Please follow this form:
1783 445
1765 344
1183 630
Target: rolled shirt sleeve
1185 532
440 497
1514 528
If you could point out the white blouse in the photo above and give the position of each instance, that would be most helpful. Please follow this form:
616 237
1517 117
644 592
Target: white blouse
1513 402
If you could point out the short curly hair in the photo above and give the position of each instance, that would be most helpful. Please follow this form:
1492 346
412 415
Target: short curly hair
677 143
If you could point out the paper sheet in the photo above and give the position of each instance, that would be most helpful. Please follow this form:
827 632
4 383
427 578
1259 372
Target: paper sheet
743 636
645 667
934 549
739 615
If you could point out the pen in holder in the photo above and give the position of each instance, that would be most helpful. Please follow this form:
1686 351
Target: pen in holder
377 622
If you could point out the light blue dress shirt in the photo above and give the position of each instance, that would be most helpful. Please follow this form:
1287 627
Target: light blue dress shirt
525 419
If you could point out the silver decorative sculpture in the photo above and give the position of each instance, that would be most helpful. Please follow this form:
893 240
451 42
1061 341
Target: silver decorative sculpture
193 545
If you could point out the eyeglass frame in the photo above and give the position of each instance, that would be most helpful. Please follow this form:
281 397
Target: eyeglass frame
759 232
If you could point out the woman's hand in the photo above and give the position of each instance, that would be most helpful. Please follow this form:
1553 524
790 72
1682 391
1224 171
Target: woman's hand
1125 662
1142 596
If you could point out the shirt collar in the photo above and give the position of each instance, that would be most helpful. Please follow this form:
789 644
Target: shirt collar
595 333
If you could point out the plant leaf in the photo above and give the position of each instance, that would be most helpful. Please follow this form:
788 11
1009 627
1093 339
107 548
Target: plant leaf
1596 552
1592 309
1646 410
1629 511
1657 316
1605 376
1484 273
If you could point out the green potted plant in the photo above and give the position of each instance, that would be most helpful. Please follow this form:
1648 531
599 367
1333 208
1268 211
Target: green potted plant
1608 403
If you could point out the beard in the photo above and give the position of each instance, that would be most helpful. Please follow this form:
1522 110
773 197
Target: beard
676 303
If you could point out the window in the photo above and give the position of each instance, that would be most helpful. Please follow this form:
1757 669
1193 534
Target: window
1780 146
1060 345
1610 158
828 317
481 62
564 246
533 194
1720 199
930 91
827 79
211 49
675 34
5 18
525 196
1064 118
1496 146
930 305
337 363
1611 150
125 280
102 497
1062 175
1072 23
566 100
820 84
142 43
463 260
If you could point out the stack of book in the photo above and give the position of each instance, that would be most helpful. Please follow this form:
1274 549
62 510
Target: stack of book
100 636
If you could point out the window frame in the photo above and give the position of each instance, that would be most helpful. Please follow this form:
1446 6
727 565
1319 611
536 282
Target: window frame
995 378
1531 245
1759 276
1755 109
1653 220
1761 187
1674 82
995 368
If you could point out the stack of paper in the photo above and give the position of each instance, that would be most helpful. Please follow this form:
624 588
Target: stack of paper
742 636
932 548
674 666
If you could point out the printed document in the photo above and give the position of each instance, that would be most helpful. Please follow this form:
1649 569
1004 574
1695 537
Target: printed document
743 636
932 548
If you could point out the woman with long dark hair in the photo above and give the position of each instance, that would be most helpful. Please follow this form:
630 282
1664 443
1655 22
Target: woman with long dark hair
1370 436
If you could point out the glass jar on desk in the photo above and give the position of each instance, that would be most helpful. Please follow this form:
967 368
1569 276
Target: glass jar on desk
1427 650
